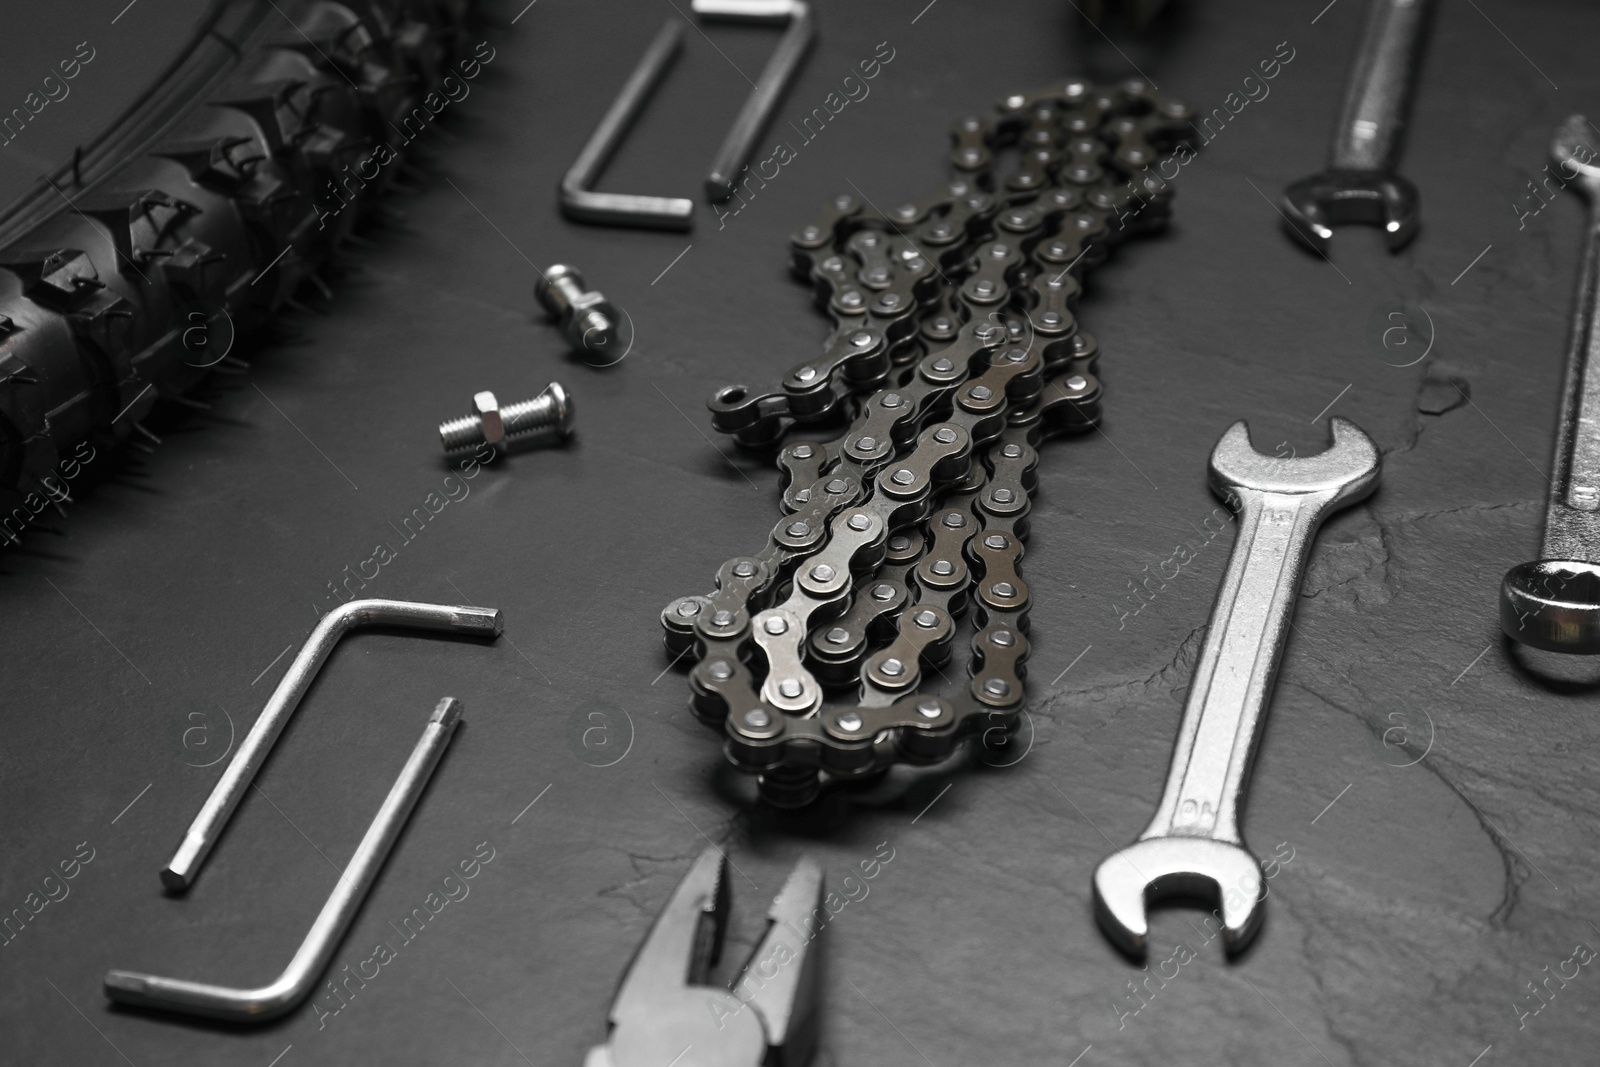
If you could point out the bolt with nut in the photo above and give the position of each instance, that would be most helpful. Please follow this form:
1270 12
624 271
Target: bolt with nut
588 318
546 419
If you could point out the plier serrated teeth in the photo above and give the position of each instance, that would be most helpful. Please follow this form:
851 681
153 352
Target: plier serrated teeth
666 1015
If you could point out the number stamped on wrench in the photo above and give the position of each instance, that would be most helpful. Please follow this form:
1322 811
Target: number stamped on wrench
1192 846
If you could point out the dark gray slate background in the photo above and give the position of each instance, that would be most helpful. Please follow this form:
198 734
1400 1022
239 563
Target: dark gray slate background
1457 863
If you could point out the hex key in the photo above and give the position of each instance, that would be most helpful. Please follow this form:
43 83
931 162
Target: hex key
290 987
214 814
769 87
582 204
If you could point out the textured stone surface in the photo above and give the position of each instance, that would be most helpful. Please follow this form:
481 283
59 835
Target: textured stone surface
1435 786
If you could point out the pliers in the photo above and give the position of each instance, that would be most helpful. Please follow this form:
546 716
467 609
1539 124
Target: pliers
665 1014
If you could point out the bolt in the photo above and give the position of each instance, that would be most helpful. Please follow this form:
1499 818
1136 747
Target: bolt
849 722
589 319
545 419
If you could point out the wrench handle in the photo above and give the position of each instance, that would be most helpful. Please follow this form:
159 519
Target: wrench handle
1233 680
1572 521
1375 100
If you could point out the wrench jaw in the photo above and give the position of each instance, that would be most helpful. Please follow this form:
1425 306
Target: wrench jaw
1192 868
1347 471
1553 604
1315 205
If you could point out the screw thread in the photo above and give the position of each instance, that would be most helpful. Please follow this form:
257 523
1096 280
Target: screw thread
461 435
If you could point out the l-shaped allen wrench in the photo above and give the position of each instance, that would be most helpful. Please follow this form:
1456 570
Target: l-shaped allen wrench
202 834
292 986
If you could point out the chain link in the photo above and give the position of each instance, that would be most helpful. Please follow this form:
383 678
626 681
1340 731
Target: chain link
955 353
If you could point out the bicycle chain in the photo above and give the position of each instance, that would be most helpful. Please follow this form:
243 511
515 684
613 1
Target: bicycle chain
956 352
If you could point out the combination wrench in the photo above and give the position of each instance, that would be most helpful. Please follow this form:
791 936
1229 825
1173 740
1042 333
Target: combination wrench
1553 603
1193 845
1360 183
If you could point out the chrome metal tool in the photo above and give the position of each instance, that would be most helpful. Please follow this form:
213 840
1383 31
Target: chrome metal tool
1193 844
664 1012
1360 183
1553 603
282 994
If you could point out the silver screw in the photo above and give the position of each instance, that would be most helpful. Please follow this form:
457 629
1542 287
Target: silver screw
545 419
589 319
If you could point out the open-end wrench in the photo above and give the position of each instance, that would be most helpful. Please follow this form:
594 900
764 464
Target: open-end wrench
1192 845
1360 183
1554 602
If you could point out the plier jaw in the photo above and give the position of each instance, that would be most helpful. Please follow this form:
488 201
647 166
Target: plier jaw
664 1013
